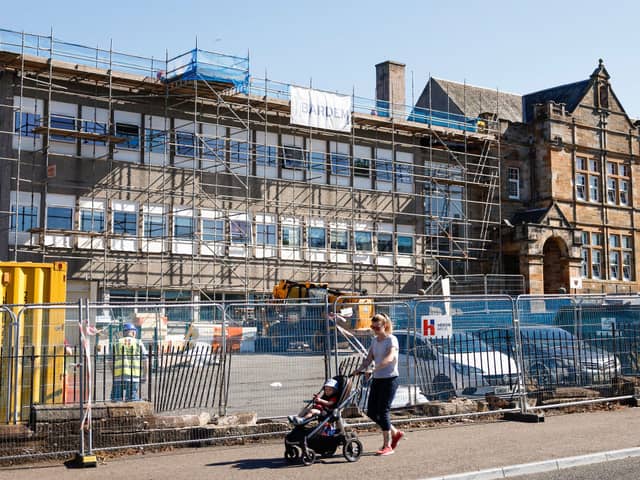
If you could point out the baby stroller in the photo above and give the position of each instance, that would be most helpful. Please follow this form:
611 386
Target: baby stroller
323 438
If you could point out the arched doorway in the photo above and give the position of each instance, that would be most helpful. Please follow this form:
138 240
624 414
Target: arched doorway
556 265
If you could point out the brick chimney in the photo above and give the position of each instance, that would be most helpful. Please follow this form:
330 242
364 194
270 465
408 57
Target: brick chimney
390 87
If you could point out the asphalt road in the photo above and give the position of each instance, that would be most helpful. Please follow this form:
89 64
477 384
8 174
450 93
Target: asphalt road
425 453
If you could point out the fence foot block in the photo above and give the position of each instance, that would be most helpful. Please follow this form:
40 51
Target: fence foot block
523 417
82 461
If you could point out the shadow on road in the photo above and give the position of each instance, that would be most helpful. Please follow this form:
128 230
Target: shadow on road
276 463
254 463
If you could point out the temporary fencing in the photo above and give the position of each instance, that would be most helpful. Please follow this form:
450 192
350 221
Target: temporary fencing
204 360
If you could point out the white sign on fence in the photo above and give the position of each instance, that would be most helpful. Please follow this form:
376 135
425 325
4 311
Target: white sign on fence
437 325
313 108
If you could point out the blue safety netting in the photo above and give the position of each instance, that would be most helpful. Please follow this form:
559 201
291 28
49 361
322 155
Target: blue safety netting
199 64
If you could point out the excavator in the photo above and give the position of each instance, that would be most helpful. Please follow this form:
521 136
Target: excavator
298 319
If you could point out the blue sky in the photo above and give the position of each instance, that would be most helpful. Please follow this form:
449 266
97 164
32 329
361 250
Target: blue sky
514 46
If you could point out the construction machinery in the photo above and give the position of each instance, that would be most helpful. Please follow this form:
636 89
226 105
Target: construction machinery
303 314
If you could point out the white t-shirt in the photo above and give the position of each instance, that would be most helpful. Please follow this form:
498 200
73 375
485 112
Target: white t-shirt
380 349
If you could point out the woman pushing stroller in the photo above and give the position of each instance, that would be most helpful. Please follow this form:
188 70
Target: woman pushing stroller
383 353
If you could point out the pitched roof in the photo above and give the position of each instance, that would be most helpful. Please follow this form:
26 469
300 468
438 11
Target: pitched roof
463 99
569 94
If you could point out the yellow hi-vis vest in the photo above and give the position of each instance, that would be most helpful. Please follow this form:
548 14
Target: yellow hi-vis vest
127 358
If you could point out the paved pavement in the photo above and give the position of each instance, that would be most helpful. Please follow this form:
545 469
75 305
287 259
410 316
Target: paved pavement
474 450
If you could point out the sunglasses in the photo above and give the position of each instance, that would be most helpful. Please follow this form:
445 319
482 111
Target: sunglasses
376 327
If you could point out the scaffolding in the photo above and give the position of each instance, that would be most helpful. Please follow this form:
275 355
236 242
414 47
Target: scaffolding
185 174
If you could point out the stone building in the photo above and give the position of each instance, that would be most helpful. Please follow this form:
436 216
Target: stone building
568 200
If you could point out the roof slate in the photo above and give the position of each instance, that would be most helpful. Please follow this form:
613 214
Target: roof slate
463 99
569 94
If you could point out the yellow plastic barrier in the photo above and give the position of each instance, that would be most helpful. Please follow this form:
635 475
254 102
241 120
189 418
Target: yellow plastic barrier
40 334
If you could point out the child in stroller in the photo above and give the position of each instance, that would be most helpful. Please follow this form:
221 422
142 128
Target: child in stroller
323 403
307 439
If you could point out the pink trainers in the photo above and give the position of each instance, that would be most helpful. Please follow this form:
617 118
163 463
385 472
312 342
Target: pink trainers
396 438
385 451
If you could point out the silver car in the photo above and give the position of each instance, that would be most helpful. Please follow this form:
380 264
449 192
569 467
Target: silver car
459 365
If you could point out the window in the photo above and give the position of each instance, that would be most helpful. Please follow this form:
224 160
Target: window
385 242
444 209
130 133
581 186
125 223
404 170
240 231
594 189
25 123
62 122
25 219
405 245
97 128
265 234
611 190
153 225
213 230
363 241
291 236
267 155
587 176
339 239
623 186
266 149
361 167
340 159
617 183
513 187
154 140
591 255
584 264
183 227
91 220
339 164
317 237
620 257
404 173
603 95
317 161
238 152
614 265
59 218
185 144
213 148
384 165
293 157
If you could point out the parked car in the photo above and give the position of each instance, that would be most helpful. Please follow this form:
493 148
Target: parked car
554 357
459 365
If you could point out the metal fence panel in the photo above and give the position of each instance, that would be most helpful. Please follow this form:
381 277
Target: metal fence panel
457 350
578 342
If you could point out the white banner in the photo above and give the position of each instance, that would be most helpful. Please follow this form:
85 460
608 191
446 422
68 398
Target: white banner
313 108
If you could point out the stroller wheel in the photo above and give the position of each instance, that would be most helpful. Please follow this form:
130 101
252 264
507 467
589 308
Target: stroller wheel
352 450
308 457
292 453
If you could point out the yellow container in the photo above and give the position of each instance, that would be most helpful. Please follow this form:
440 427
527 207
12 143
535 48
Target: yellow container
28 361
